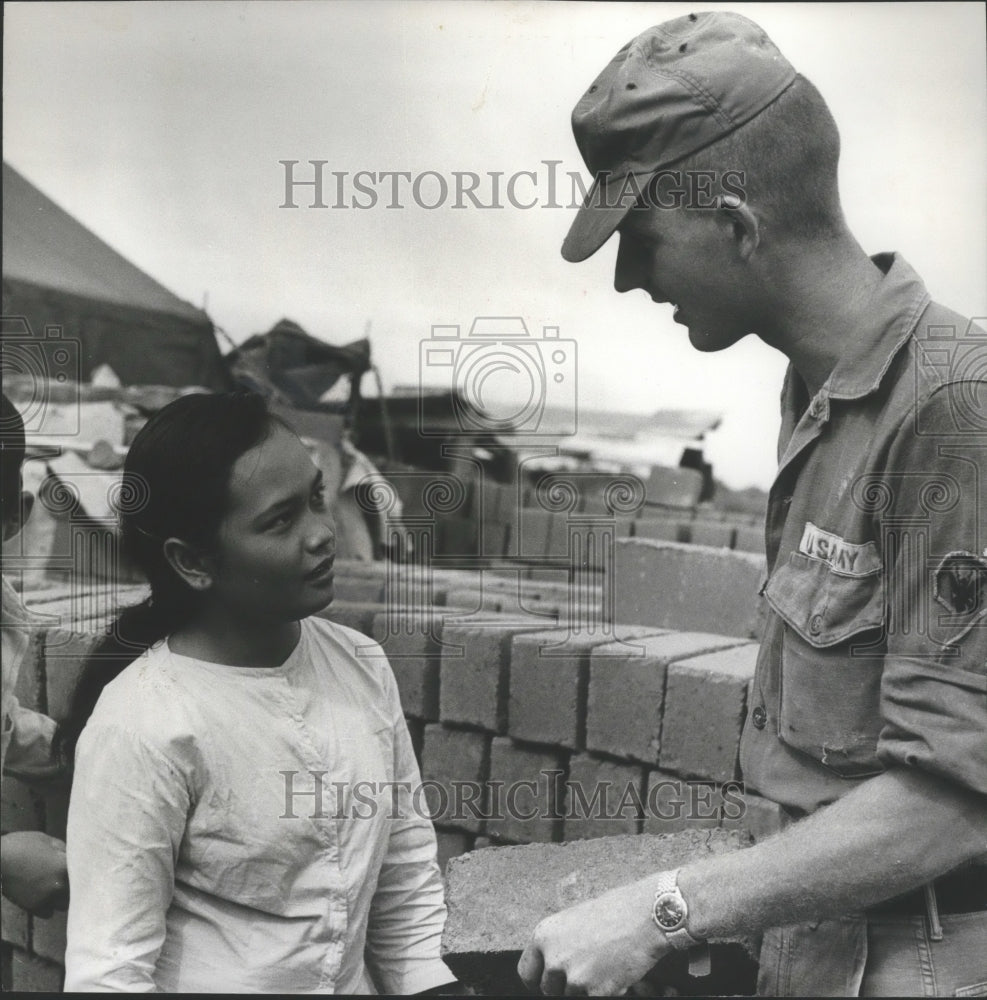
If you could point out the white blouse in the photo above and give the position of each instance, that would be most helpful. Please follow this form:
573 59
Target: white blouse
245 829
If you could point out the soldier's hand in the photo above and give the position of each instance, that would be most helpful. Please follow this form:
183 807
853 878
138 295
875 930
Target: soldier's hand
33 872
600 947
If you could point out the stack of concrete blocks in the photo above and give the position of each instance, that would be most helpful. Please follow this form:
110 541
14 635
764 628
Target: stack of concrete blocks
510 684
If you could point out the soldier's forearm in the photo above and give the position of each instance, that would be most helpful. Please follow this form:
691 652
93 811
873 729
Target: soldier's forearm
886 837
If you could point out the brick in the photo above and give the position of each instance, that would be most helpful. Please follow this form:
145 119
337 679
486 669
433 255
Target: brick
29 974
358 615
627 691
450 844
14 923
684 587
519 812
705 705
48 937
474 673
610 800
673 804
761 818
414 658
497 896
20 808
64 656
549 676
711 533
459 761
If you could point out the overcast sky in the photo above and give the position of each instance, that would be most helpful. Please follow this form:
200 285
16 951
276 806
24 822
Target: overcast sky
161 127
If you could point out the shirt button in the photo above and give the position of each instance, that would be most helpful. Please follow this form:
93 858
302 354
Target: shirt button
759 717
815 624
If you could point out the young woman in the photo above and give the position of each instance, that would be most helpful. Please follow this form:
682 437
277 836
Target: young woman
242 813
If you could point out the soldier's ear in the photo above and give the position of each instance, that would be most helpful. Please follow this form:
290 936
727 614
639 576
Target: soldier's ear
745 225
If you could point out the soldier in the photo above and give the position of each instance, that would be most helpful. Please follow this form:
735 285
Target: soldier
716 164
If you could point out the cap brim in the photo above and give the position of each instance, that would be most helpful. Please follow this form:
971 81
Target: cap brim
595 223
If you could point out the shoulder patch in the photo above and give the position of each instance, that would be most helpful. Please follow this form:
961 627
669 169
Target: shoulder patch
961 582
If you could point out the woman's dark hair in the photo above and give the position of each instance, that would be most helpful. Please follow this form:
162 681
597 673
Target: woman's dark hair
175 485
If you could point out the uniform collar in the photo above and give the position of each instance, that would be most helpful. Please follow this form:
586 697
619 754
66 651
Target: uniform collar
883 329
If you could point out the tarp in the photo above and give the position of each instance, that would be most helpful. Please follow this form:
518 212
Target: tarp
293 366
58 274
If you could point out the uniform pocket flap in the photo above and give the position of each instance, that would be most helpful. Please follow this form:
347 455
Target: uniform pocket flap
823 607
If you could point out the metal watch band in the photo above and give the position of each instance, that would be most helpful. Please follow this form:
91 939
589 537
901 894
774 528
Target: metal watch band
678 937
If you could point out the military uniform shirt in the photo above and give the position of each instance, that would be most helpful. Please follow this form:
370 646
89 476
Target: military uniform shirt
874 652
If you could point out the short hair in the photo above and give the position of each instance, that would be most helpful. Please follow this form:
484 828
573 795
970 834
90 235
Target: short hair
12 446
789 154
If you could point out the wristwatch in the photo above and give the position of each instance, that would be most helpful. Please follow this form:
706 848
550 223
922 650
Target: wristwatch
670 913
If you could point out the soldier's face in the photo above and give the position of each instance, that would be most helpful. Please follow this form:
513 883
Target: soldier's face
688 257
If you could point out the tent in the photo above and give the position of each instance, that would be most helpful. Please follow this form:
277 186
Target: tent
58 274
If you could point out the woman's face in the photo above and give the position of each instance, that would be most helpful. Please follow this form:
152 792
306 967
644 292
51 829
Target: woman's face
276 544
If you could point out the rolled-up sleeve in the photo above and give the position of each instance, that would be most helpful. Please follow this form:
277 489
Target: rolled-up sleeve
127 816
408 912
934 527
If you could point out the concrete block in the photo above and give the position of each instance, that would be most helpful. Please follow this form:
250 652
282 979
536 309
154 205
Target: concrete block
359 589
458 761
29 688
660 528
673 804
627 691
414 658
474 673
457 536
603 798
497 896
64 655
749 538
357 615
535 529
450 844
34 975
712 533
705 706
525 792
686 587
761 817
548 684
48 937
14 923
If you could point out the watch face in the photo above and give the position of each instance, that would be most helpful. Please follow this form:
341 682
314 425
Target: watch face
669 913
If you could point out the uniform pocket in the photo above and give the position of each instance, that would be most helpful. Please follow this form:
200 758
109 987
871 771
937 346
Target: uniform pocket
832 658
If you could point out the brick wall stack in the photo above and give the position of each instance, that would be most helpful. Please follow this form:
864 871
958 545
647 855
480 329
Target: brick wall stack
623 729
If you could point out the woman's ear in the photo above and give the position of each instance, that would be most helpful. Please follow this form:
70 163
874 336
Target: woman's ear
746 225
190 564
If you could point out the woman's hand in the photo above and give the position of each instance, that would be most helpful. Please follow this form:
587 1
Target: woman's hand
33 874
